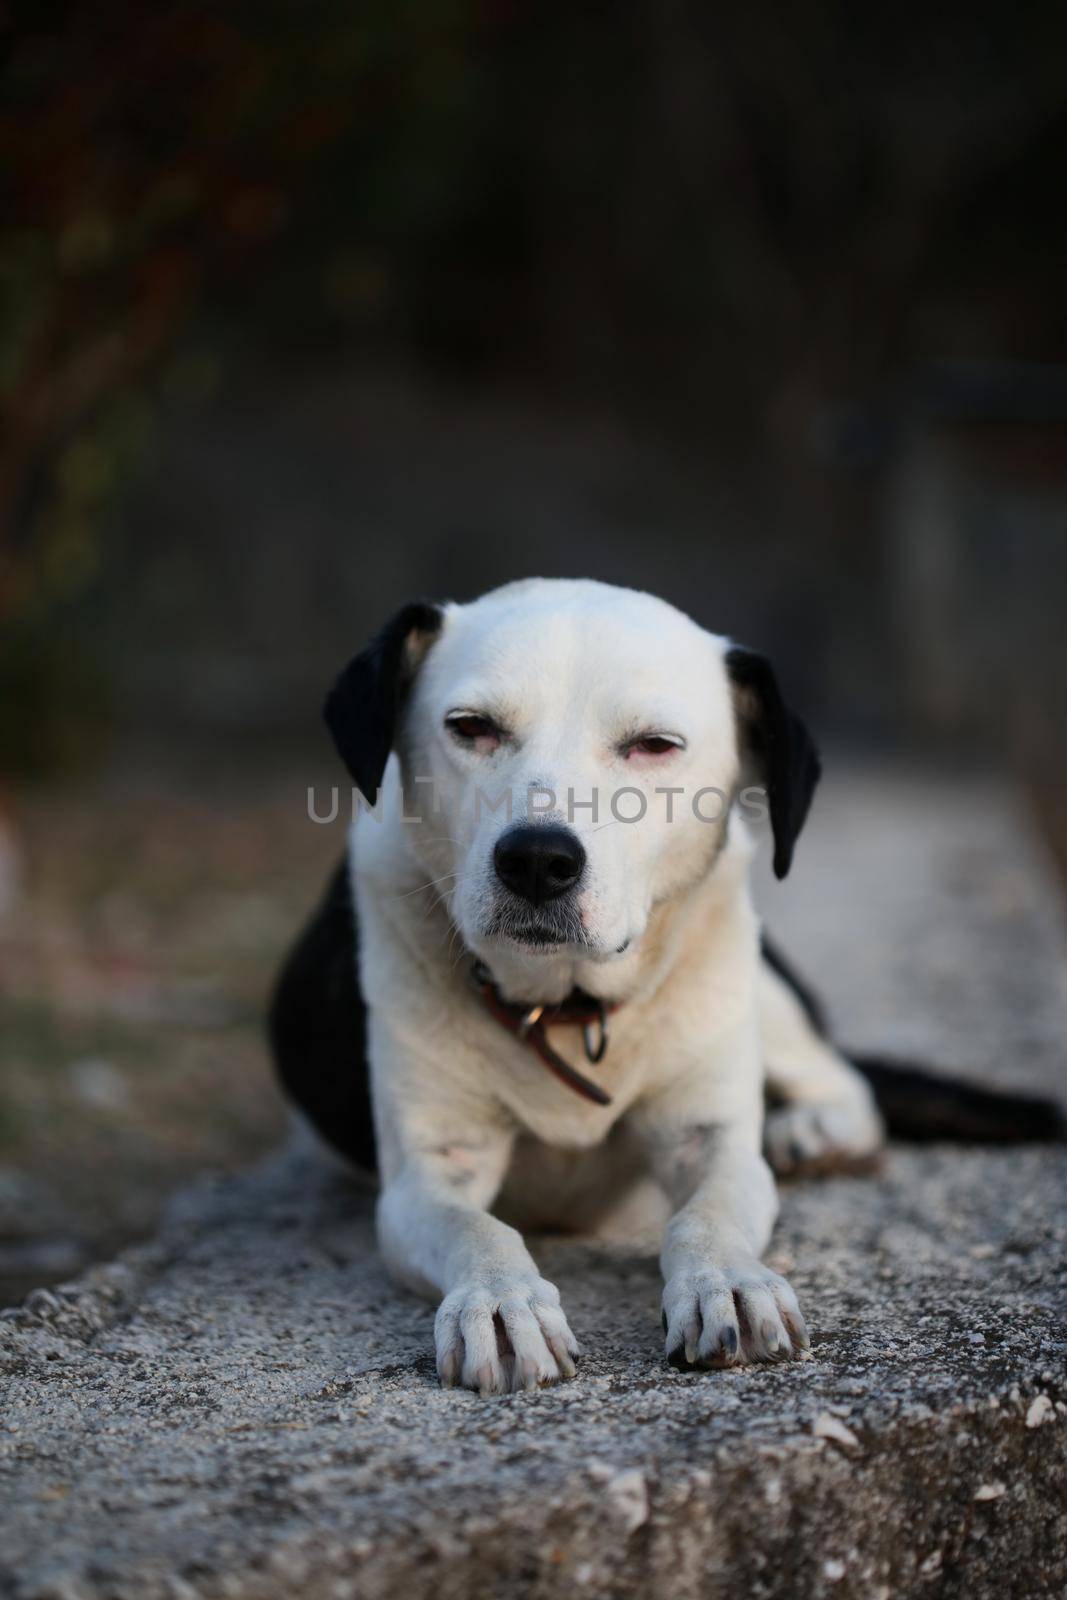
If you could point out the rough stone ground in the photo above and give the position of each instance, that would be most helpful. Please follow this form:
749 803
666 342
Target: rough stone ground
246 1407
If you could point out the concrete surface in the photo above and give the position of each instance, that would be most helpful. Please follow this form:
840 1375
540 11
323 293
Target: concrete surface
248 1408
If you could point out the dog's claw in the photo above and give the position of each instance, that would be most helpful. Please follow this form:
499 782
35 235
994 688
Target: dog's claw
528 1376
448 1368
565 1361
774 1345
486 1380
798 1330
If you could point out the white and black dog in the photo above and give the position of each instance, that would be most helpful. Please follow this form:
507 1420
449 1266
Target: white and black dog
567 1015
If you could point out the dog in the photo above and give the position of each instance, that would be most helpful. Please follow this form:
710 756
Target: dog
565 1014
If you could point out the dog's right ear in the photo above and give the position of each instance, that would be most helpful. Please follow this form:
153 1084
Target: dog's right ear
362 707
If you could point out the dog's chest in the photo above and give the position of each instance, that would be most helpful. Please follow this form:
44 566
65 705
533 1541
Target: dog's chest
557 1114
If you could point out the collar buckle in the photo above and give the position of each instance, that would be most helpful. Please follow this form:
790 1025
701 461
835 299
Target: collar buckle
529 1020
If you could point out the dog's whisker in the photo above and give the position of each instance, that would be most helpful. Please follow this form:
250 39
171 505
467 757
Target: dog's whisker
431 885
438 901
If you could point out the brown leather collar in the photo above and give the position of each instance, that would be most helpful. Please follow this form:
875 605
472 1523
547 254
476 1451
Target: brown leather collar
528 1023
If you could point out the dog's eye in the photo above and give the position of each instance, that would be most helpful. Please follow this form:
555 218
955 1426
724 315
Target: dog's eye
653 744
469 728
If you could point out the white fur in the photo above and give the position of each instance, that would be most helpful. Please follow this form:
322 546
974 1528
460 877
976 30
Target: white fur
829 1111
476 1138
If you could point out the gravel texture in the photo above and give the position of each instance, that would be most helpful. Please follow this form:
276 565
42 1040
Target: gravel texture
247 1407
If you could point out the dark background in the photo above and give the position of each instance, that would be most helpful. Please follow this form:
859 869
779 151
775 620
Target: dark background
310 309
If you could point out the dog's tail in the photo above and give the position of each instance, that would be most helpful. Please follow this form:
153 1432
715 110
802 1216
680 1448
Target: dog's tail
921 1104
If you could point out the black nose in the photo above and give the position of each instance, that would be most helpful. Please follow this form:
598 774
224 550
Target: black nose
538 861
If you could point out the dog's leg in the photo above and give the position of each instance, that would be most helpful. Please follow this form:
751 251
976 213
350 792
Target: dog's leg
500 1325
721 1305
825 1115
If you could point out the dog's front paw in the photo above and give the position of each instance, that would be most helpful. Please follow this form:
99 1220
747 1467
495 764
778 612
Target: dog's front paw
724 1317
496 1337
809 1137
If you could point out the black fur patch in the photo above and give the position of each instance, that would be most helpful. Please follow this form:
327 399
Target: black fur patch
317 1028
921 1106
362 707
781 746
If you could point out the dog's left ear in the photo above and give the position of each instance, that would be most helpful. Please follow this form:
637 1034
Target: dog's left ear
780 745
362 707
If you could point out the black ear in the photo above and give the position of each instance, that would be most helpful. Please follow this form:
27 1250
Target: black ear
781 746
362 707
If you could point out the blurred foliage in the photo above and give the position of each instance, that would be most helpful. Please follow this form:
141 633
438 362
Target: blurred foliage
151 157
747 216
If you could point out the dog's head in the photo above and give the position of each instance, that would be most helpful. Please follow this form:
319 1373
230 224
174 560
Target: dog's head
572 752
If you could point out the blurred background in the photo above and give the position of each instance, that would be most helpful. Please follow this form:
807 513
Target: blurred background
311 309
